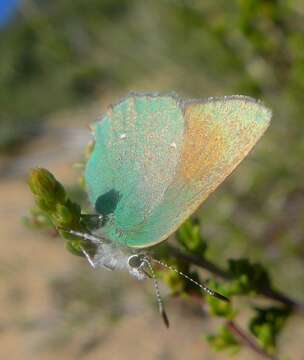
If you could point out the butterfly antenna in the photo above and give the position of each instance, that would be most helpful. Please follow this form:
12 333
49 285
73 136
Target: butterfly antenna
202 286
161 307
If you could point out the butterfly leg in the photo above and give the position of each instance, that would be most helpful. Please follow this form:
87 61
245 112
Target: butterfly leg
94 239
88 257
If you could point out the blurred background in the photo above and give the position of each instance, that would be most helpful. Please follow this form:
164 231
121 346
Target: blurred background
61 63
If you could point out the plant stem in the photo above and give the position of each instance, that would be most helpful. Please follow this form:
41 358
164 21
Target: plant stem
200 262
240 334
247 340
218 271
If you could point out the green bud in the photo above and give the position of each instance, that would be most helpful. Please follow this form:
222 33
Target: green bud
44 185
62 216
46 205
74 209
58 211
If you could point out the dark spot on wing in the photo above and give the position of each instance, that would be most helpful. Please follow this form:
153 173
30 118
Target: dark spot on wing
107 203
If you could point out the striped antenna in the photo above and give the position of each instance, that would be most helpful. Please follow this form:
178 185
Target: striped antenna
161 307
202 286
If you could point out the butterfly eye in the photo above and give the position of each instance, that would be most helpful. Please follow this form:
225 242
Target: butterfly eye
135 261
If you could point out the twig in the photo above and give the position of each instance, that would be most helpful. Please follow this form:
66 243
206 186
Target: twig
200 262
247 340
215 269
238 332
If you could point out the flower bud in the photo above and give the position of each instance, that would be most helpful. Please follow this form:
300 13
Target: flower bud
44 185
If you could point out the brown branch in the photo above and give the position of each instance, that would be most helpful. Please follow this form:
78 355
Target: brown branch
247 340
239 333
200 262
218 271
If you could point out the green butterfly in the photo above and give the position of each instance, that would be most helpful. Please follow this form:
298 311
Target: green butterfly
156 158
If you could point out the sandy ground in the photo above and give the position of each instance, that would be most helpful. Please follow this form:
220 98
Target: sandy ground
53 306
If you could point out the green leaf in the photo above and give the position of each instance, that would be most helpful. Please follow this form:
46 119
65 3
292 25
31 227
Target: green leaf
175 282
189 236
224 340
75 247
218 307
267 324
247 277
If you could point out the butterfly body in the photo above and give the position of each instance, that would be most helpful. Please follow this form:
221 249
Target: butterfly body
112 256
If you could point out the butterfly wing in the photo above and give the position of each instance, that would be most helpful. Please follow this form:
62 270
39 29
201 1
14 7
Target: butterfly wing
196 154
132 163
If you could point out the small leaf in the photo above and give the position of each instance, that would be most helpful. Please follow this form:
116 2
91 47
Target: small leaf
175 282
224 340
218 307
189 236
75 247
247 277
267 324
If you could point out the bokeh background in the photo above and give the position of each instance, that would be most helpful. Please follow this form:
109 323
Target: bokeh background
61 63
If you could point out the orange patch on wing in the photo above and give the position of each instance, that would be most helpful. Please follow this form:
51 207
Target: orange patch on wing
203 146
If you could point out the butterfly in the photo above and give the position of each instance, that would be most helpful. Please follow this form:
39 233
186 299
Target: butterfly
155 159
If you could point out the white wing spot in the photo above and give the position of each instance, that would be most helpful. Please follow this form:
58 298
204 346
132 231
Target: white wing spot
123 136
173 145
